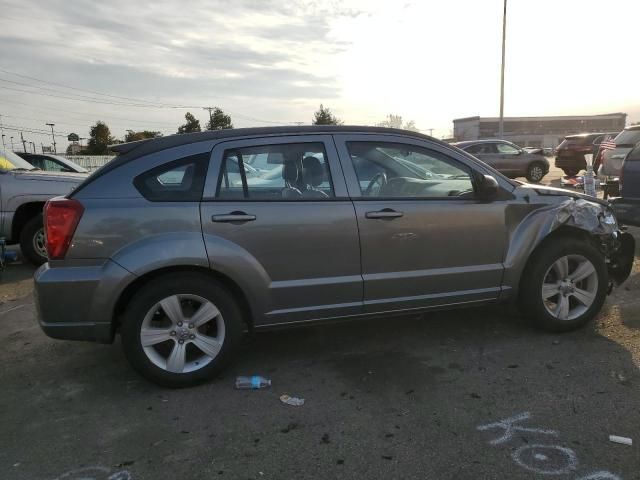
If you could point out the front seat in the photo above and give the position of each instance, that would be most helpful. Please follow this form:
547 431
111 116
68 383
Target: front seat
290 175
313 176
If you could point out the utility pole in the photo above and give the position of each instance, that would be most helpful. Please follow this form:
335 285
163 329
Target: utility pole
54 137
210 109
504 35
24 143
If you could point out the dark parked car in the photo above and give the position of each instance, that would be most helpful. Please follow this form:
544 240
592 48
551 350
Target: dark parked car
173 245
627 206
570 153
508 158
52 163
625 142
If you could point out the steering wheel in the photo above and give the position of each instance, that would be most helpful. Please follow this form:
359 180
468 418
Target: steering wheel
380 178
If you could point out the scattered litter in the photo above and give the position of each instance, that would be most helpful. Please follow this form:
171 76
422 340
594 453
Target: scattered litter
16 464
293 401
340 461
325 438
556 342
252 383
387 457
475 395
621 440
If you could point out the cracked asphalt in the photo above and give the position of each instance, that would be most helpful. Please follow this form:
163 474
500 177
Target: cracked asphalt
404 397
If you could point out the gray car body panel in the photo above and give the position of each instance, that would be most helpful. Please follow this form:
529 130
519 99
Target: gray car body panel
18 188
302 260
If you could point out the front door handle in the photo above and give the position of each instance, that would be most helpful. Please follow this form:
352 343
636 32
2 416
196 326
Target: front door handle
384 213
233 217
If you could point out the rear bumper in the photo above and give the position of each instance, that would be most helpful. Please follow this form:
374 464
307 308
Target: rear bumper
571 162
77 303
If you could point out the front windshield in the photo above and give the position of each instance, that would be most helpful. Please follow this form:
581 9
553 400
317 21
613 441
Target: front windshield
11 161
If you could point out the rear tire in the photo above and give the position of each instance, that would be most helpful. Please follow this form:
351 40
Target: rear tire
564 284
570 172
32 242
535 172
193 341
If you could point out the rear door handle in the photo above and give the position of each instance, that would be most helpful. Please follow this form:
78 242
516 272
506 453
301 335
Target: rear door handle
233 217
384 213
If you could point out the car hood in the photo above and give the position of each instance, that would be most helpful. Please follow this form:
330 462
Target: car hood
40 175
561 192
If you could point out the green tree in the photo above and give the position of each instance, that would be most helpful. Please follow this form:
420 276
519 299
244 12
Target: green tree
99 139
192 125
323 116
218 120
132 136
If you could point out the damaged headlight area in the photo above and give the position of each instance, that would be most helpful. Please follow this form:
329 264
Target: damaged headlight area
599 220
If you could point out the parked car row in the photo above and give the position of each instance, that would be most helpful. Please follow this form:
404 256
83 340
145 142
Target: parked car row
180 245
570 154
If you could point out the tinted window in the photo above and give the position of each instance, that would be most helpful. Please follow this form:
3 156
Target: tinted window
276 172
178 181
505 148
47 164
391 170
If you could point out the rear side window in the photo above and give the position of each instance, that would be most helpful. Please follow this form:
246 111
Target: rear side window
178 181
482 149
628 138
295 171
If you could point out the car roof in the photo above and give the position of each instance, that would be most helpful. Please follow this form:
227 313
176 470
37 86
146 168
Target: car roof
162 143
466 143
632 127
584 135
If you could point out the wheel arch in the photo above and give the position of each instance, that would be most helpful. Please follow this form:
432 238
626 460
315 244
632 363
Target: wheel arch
22 215
129 291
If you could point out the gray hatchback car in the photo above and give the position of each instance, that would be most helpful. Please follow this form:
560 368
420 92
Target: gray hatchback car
179 249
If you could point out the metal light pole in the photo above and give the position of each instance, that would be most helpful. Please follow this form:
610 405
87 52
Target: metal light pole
54 137
3 145
24 143
504 35
11 143
33 147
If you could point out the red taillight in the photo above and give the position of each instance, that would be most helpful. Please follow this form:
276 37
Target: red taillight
61 217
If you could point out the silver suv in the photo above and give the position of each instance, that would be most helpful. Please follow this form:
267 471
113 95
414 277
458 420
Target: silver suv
180 246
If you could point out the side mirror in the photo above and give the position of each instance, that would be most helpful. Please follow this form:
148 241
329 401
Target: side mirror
488 187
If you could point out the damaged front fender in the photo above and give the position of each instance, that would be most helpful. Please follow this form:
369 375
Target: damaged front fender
595 218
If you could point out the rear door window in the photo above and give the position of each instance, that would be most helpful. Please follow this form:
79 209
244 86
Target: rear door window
628 138
294 171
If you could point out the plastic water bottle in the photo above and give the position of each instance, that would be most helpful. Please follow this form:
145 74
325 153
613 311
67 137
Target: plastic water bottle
255 382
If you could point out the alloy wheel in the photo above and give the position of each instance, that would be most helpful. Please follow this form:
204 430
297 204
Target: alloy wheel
182 333
569 287
39 243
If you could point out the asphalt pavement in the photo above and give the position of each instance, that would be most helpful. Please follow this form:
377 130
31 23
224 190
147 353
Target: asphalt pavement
465 394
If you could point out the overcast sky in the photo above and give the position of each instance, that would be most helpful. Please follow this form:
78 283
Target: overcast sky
273 62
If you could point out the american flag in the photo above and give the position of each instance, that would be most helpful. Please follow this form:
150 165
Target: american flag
608 143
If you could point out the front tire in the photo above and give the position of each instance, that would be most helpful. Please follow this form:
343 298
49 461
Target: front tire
181 329
32 242
564 284
535 172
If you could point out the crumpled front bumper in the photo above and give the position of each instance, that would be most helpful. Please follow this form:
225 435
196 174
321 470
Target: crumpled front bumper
622 248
